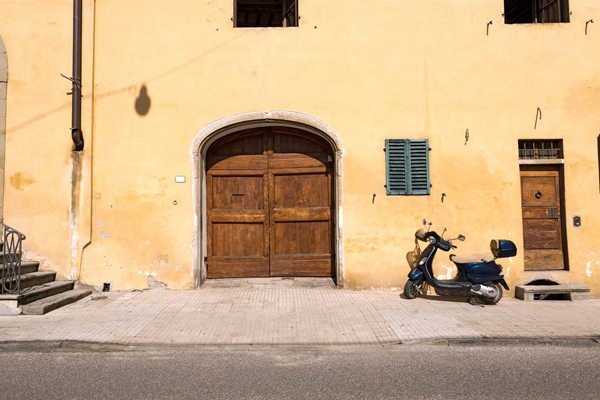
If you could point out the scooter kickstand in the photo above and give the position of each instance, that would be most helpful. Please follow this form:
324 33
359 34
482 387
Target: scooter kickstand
472 301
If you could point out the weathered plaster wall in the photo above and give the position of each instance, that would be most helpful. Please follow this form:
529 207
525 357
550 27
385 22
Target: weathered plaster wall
3 82
39 161
389 69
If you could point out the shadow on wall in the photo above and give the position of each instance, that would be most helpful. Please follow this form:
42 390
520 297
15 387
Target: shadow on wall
143 102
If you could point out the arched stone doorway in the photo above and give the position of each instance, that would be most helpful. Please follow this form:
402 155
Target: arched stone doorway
272 181
3 87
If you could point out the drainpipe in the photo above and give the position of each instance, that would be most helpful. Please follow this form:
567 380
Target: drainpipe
76 133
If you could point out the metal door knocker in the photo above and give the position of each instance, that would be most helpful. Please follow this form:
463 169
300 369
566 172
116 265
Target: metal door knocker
538 195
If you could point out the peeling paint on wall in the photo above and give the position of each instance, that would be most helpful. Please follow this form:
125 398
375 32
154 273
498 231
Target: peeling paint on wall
448 274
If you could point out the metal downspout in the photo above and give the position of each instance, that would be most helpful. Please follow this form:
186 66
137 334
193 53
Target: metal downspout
76 133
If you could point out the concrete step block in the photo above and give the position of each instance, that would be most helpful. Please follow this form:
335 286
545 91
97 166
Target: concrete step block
575 292
51 303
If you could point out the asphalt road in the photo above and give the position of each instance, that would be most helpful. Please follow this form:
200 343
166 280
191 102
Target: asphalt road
410 372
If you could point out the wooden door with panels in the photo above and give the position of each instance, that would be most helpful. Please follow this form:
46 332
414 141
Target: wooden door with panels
269 204
542 225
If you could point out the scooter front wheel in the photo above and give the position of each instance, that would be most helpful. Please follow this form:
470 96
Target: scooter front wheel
411 289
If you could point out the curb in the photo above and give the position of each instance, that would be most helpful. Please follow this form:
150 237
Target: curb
79 346
512 342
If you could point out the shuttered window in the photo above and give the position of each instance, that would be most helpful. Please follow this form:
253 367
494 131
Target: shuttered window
407 167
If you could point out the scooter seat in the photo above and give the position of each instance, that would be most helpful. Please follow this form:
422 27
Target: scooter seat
473 258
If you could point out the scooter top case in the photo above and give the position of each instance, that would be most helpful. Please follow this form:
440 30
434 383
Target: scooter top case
503 248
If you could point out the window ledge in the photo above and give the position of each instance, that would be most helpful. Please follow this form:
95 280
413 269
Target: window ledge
542 161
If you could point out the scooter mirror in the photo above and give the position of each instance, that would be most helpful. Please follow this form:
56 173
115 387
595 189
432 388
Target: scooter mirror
461 238
424 221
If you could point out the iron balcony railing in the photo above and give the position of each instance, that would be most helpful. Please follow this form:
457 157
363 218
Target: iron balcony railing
11 260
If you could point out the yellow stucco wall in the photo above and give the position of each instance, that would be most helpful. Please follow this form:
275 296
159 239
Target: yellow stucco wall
387 69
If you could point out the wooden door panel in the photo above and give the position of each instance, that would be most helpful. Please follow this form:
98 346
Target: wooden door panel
301 191
238 192
280 164
541 234
536 213
301 224
234 268
237 207
238 226
292 141
317 267
544 187
542 260
247 216
302 238
241 163
302 214
227 238
248 143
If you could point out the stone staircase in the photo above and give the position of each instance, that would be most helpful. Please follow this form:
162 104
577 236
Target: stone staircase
40 291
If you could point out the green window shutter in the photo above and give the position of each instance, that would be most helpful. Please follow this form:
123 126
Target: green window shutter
407 162
419 167
396 160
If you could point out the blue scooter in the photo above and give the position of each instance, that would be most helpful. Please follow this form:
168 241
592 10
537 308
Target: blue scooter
478 274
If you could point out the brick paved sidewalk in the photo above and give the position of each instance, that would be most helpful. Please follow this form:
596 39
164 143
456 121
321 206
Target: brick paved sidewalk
296 316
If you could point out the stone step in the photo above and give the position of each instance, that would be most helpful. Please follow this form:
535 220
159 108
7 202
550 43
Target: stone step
50 303
2 257
37 292
575 292
27 267
37 278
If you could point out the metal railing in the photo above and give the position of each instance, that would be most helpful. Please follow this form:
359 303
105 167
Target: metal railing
11 260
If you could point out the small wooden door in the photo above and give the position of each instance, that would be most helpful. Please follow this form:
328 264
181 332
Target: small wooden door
269 202
542 227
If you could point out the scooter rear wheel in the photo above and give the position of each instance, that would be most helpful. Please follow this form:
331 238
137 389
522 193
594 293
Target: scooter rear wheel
411 289
490 301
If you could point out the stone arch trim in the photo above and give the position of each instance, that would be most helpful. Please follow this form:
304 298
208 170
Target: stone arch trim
225 126
3 91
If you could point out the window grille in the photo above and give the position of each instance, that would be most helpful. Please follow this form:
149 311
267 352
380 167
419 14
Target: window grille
407 167
540 149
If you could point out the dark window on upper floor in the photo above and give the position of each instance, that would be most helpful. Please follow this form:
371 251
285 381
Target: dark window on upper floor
535 11
265 13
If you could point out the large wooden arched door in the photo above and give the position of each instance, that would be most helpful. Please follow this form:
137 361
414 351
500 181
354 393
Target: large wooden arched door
269 204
